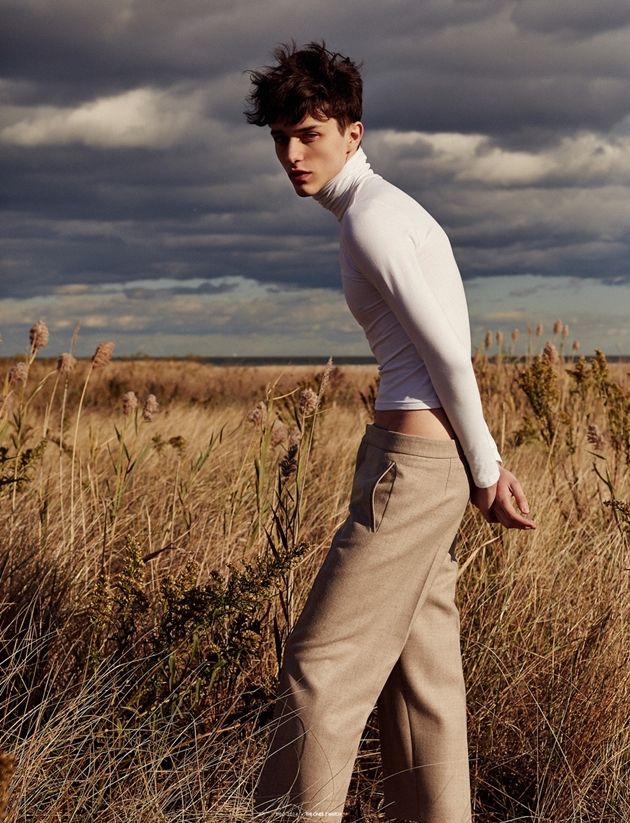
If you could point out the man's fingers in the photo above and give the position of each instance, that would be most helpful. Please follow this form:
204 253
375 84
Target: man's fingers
507 515
497 506
519 496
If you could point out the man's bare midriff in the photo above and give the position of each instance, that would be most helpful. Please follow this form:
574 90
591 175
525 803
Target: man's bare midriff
432 423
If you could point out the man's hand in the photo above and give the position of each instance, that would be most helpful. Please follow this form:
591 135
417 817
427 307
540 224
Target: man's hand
495 502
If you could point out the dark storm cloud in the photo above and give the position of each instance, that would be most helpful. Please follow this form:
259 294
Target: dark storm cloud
577 17
77 48
491 64
125 156
522 111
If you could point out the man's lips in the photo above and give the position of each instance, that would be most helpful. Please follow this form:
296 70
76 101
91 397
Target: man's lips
299 175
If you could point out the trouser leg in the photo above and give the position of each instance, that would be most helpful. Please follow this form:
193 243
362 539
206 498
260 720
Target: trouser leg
404 512
422 715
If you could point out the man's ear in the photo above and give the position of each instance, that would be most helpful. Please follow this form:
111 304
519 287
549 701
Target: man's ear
354 136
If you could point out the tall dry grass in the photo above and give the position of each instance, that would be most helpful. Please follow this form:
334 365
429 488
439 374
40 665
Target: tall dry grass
155 553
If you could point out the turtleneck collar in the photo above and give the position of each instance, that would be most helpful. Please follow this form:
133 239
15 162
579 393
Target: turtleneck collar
337 193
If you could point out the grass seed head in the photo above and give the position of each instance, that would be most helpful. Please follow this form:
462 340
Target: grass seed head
38 336
151 406
594 436
289 464
279 432
129 403
325 377
308 402
66 363
258 414
18 373
103 354
551 353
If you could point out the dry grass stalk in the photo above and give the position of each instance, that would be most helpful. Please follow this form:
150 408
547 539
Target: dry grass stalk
7 768
325 379
102 356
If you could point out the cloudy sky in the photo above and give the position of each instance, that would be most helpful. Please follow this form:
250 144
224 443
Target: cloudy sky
138 202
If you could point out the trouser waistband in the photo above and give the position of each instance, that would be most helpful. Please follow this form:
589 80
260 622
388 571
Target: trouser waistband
393 441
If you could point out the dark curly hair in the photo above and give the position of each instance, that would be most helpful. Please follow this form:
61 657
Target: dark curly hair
311 80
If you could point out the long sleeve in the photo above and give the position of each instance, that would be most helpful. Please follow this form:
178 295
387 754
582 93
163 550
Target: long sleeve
381 247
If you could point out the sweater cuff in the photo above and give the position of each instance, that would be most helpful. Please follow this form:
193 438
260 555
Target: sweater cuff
486 478
493 446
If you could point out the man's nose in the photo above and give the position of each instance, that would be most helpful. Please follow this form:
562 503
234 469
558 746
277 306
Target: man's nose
295 151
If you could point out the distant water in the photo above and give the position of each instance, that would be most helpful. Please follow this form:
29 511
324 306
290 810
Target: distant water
319 360
308 360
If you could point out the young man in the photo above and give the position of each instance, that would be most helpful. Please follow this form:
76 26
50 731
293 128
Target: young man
380 625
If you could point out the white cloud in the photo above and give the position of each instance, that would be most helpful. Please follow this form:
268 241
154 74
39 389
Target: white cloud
138 117
584 158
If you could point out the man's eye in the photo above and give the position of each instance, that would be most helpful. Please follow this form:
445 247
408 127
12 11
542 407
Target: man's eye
311 135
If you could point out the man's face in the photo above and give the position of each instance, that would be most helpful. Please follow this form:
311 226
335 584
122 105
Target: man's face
313 151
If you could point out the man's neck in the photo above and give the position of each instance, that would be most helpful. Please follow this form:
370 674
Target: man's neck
337 194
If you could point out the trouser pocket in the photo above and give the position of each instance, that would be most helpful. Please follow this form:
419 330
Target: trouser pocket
372 486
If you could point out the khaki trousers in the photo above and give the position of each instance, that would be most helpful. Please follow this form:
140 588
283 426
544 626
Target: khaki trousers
380 626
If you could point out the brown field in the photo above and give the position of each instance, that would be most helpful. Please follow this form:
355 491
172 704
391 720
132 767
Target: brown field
150 570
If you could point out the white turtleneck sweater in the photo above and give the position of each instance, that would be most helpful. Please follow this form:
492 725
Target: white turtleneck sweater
402 284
